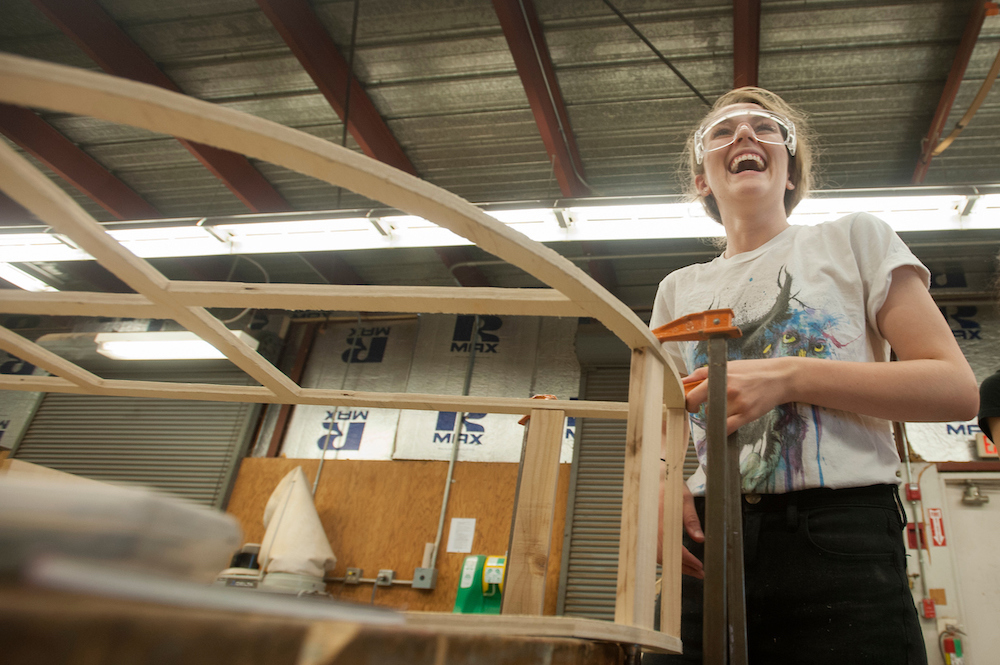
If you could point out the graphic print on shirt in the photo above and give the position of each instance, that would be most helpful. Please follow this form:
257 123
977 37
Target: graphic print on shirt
771 446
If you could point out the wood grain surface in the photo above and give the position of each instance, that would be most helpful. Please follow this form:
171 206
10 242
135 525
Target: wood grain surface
379 514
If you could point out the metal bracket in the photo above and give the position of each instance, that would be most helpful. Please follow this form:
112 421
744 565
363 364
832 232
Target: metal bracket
425 578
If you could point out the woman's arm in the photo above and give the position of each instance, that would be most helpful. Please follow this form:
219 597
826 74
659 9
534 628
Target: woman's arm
931 382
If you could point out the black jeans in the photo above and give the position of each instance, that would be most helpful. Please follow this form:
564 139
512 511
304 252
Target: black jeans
825 582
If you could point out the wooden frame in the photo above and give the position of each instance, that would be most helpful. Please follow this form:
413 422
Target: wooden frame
655 386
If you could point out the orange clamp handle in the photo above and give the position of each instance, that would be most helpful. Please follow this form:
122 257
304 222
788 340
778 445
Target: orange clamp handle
699 326
524 420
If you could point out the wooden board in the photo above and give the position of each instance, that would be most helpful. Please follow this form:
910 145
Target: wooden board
531 539
587 629
364 297
635 596
49 627
317 396
380 514
675 445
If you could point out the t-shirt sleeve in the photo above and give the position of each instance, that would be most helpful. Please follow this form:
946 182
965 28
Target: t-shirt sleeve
663 313
989 403
879 251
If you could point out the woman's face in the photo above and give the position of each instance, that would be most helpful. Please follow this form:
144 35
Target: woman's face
752 170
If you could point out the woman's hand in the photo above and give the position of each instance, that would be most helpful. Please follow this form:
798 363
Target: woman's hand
753 387
690 564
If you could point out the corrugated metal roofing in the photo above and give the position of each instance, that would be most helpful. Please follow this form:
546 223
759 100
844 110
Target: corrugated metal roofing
442 77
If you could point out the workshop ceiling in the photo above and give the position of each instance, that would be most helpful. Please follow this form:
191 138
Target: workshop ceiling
500 101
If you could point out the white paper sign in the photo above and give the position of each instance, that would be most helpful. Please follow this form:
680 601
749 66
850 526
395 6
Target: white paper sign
460 534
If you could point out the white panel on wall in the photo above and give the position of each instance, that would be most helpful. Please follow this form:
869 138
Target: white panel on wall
977 330
515 357
373 357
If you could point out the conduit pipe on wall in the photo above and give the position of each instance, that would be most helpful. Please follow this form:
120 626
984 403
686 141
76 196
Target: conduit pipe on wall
455 444
329 432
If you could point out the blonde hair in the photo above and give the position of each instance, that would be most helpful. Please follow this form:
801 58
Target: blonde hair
800 166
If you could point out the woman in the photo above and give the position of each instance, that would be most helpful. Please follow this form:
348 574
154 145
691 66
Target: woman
811 394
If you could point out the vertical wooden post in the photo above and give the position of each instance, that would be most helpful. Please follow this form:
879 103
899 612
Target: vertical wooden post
640 492
676 444
524 591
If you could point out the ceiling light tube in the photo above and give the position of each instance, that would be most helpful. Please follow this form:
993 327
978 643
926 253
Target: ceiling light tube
180 345
18 277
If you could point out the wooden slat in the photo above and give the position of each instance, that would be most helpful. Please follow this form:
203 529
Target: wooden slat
321 397
418 299
27 350
585 629
32 83
81 303
635 594
369 298
29 187
675 446
528 558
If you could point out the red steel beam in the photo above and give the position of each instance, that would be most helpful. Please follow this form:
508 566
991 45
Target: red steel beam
309 40
962 56
523 32
41 140
97 34
746 42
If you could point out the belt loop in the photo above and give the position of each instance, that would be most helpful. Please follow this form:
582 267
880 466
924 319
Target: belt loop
792 513
899 504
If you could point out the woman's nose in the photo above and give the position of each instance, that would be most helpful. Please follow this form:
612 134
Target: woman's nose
744 130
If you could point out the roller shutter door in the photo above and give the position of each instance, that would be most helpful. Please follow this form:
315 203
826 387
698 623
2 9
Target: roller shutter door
186 448
593 522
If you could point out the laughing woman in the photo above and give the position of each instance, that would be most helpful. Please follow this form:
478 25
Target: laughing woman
812 394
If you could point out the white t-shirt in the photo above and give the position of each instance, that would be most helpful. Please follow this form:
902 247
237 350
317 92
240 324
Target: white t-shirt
810 291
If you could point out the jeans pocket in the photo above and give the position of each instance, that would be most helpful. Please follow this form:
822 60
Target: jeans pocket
853 532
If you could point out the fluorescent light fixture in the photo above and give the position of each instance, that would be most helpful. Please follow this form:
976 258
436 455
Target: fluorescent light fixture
18 277
622 221
180 345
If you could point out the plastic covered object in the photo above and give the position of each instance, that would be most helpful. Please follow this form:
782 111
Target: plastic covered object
295 541
112 525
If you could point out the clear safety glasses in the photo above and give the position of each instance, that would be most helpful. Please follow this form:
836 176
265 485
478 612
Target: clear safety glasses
720 132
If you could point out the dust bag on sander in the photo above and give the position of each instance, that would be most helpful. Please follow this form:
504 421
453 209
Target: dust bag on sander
295 542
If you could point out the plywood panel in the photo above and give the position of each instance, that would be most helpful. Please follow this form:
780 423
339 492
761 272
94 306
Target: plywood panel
380 514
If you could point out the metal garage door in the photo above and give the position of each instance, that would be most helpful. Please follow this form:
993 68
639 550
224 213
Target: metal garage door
593 521
186 448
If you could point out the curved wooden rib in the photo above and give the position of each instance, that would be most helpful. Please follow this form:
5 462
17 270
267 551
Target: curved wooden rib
37 84
29 187
415 299
318 397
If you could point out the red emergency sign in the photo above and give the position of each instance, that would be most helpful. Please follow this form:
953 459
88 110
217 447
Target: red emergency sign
937 526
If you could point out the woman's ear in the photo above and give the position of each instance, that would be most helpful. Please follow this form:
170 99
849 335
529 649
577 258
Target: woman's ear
702 185
789 185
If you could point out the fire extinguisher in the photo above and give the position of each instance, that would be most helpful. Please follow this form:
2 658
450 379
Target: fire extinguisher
951 646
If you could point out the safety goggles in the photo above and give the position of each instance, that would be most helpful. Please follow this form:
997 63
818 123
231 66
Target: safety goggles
720 132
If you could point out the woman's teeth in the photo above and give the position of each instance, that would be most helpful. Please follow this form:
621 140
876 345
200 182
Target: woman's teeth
746 162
